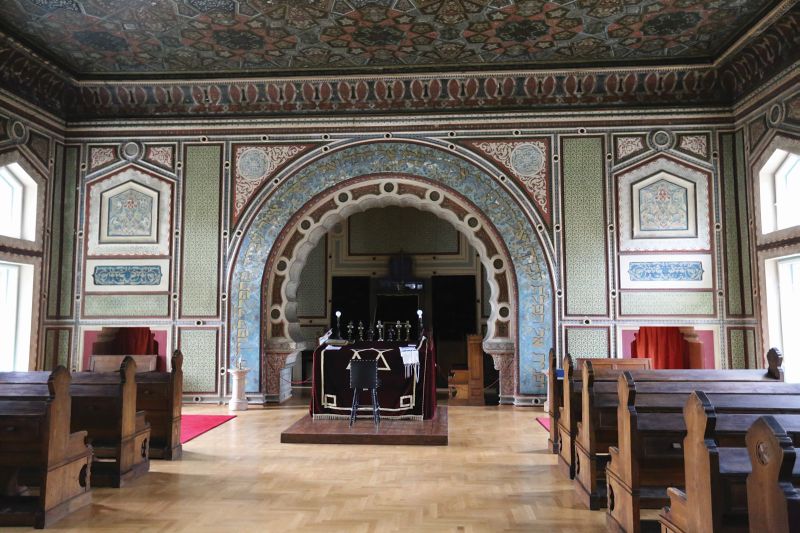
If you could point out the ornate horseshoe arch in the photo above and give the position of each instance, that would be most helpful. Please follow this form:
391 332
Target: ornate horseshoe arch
287 225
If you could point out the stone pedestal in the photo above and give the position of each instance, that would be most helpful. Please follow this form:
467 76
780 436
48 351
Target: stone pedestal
279 374
238 399
504 364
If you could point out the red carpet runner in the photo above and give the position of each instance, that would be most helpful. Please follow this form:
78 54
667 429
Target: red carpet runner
195 425
545 422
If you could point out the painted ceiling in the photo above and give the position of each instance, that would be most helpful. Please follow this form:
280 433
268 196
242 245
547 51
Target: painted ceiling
140 38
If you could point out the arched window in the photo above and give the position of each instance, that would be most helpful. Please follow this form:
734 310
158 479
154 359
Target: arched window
18 192
780 192
18 205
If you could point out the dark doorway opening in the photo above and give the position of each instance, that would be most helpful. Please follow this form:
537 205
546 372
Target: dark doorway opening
350 295
454 317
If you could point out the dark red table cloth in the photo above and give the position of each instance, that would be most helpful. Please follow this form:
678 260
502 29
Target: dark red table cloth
399 396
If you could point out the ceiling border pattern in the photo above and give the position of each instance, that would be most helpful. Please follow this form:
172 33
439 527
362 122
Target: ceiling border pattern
25 74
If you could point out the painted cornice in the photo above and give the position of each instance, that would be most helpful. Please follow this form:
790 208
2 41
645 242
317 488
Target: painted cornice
743 70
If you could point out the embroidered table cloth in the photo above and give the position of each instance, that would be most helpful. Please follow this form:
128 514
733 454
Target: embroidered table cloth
402 395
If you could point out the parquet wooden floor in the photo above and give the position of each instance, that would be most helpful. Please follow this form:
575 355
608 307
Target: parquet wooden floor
495 475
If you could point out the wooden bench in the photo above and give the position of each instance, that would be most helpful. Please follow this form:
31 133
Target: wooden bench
773 496
649 456
159 395
597 431
570 410
103 405
716 466
45 470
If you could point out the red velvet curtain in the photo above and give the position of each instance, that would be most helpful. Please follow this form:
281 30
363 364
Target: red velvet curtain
664 345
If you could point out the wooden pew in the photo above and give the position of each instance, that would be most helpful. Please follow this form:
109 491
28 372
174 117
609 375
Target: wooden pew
159 395
104 405
649 456
555 395
716 465
597 430
571 408
773 496
45 470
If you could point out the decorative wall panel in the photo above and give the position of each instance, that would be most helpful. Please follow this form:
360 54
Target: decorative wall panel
391 230
256 164
161 155
664 207
130 305
312 296
739 293
628 146
102 156
695 144
584 220
62 236
201 230
199 347
129 214
671 199
742 348
587 342
666 271
127 275
528 163
57 346
641 303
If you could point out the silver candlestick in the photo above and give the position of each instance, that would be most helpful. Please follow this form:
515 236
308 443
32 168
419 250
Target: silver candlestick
338 325
419 316
360 331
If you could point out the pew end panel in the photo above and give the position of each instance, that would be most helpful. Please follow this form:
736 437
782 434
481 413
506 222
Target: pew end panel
45 470
773 502
555 392
568 420
104 404
159 394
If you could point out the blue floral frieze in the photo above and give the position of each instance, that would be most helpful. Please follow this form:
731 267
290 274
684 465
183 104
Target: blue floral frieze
127 275
534 285
666 271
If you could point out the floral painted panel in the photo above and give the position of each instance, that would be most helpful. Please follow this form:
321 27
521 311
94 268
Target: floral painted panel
666 271
663 206
130 214
127 275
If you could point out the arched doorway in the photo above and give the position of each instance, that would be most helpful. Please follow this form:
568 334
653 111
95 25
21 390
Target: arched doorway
288 219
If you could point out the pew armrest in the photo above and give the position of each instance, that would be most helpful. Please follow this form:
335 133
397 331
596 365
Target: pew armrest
141 421
77 444
674 517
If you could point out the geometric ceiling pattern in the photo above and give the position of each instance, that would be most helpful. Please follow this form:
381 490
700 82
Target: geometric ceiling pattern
132 38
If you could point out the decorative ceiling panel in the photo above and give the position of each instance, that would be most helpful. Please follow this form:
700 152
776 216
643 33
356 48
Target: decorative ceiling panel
219 37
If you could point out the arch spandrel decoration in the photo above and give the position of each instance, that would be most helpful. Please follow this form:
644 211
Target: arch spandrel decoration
266 222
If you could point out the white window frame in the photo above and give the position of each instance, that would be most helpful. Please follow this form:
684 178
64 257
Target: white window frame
16 300
19 220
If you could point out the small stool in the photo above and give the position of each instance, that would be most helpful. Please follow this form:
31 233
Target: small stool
364 375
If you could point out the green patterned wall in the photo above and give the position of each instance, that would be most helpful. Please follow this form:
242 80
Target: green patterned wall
584 226
742 348
126 305
199 347
666 303
62 242
739 288
56 348
312 299
55 239
201 231
587 342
